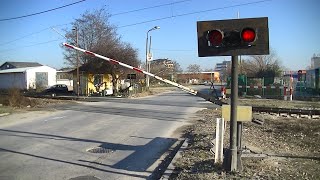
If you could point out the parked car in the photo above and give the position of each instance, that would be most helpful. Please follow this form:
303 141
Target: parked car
58 89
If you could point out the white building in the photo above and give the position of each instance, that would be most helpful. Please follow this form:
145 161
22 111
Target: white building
65 76
315 62
28 77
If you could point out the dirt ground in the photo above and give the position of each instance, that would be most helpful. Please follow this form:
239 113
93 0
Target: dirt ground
292 147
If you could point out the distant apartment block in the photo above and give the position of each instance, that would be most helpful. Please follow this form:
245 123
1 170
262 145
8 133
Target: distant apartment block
168 64
222 67
315 61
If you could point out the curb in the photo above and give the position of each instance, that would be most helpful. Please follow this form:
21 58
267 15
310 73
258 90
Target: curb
171 168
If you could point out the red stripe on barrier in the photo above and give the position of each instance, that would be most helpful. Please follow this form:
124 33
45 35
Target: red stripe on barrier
114 61
90 53
69 46
136 69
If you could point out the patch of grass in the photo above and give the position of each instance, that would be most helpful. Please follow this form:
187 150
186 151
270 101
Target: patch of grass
5 109
14 99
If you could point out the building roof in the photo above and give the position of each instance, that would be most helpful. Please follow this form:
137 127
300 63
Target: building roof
22 64
66 70
24 69
15 70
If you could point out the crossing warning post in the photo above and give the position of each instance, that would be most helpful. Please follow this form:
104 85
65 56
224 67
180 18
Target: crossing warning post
233 37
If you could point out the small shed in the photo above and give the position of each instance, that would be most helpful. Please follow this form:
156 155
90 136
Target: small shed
28 77
95 78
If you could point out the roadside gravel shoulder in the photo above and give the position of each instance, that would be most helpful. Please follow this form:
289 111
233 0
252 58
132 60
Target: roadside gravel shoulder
291 145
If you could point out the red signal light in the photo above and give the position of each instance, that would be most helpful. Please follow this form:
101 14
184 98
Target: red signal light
215 37
248 35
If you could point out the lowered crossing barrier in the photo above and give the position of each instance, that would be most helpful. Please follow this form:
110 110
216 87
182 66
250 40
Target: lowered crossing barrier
184 88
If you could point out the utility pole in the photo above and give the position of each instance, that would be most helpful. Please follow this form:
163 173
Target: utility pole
147 62
233 114
78 78
147 67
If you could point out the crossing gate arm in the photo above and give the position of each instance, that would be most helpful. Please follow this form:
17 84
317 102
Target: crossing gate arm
112 61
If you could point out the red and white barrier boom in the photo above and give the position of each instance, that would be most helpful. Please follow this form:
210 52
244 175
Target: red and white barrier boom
189 90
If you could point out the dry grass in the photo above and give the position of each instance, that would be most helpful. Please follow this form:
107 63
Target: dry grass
14 99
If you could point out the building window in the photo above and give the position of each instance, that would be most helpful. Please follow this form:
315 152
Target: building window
98 79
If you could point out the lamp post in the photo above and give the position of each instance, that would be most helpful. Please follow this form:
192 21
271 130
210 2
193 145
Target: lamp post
147 62
77 39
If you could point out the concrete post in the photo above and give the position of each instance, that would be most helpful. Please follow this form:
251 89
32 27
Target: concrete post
218 156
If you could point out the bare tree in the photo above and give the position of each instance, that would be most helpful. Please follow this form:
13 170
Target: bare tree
177 67
163 70
194 68
262 66
96 34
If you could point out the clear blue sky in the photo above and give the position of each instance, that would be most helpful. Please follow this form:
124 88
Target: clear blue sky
294 28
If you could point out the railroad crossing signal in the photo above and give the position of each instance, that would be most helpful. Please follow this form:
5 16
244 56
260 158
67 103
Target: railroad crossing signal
233 37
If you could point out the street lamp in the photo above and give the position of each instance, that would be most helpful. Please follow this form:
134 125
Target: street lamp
147 62
77 39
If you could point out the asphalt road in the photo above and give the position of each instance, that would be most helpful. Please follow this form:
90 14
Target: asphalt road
134 133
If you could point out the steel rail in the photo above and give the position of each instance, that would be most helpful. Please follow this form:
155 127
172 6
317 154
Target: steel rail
309 112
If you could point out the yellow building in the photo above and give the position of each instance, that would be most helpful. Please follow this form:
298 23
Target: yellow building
95 79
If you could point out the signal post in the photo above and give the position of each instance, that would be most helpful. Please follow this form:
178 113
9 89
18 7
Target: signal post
232 38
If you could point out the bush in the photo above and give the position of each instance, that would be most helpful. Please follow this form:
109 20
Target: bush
16 99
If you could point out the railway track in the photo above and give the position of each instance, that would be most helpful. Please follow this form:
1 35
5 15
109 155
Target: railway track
279 111
289 111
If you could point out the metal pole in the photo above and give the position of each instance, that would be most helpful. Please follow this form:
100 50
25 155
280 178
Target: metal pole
147 68
233 114
78 77
150 44
149 62
246 84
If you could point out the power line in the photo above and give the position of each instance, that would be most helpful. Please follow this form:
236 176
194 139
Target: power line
23 37
19 17
151 7
196 12
179 15
126 12
31 45
28 35
136 10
